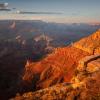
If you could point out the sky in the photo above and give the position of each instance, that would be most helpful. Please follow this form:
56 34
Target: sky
62 11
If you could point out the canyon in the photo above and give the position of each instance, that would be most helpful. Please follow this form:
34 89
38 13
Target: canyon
36 55
68 73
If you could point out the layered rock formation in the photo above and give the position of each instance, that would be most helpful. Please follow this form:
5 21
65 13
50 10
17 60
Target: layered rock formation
61 64
90 44
85 84
74 71
55 68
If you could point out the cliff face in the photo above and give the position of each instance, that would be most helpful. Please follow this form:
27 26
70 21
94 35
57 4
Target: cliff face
90 44
55 68
85 84
77 67
60 65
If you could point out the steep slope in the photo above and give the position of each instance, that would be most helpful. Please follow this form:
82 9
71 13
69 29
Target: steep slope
61 65
55 68
90 44
85 84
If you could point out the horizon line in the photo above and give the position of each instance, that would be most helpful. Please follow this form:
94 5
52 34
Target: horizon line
92 23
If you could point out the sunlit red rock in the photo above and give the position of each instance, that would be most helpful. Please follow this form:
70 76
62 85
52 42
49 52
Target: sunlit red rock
72 64
56 67
88 88
90 44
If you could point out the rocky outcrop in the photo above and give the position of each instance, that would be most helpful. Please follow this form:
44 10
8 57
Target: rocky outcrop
93 66
73 72
59 66
90 44
83 63
84 85
55 68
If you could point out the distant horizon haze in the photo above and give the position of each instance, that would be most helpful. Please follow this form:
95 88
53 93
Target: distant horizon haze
59 11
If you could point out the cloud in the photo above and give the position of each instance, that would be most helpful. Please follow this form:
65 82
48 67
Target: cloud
28 12
4 7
